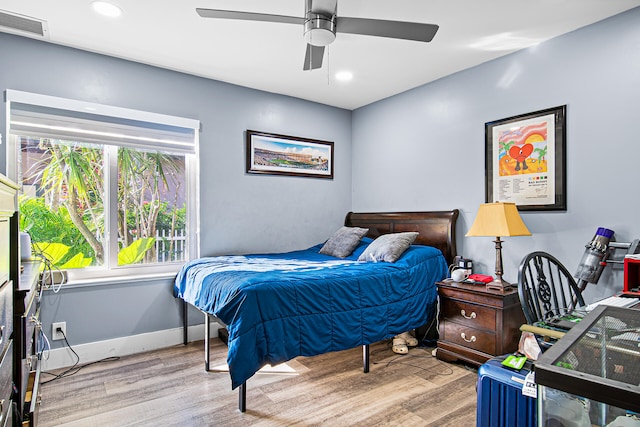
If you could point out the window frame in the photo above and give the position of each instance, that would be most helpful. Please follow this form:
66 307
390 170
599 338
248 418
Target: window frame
110 269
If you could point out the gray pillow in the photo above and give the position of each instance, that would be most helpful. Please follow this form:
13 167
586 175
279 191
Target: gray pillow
388 247
343 241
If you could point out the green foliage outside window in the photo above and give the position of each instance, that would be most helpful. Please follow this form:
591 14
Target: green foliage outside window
47 226
54 235
66 219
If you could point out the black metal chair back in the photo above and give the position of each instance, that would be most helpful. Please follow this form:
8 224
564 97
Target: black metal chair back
546 288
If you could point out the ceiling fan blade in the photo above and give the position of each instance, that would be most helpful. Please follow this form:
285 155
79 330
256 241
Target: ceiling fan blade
313 57
381 28
327 7
248 16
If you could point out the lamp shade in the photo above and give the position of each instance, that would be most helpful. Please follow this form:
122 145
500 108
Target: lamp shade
498 219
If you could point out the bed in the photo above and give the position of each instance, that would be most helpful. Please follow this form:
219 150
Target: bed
303 303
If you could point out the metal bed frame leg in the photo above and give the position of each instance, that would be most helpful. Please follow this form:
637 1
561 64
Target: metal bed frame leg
207 328
242 389
365 357
242 397
185 323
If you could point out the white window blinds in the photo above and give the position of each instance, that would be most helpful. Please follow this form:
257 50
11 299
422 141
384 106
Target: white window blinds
71 120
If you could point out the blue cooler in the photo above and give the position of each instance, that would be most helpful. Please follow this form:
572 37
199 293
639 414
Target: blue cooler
500 399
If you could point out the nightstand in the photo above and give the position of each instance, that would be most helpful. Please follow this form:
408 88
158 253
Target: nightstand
477 323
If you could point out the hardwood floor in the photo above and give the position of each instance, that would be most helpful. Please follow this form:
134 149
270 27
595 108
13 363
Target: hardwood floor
170 387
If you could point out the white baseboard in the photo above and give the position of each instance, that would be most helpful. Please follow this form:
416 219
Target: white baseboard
94 351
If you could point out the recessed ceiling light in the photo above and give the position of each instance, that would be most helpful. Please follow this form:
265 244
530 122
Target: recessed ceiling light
344 76
106 9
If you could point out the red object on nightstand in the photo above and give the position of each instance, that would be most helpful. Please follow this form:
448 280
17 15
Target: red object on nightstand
481 278
631 277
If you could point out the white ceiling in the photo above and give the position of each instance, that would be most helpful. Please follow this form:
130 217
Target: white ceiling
269 56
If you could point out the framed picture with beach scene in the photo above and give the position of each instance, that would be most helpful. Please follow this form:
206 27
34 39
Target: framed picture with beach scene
525 160
273 154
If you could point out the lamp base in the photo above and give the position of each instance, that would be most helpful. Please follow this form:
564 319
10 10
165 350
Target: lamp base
499 285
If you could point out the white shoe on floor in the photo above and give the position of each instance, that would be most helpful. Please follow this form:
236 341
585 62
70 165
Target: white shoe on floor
399 345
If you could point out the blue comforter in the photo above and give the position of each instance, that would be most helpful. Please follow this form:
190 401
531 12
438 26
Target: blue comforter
303 303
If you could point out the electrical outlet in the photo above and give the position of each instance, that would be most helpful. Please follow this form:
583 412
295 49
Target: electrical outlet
56 328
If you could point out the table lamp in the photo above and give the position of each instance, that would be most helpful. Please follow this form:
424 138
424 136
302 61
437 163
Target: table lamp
498 219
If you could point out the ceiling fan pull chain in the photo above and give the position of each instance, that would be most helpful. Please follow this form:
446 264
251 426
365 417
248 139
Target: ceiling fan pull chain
328 66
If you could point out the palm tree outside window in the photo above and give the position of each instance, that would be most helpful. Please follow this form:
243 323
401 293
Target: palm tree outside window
115 200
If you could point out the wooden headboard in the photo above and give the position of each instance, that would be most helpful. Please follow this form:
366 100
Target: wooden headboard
437 229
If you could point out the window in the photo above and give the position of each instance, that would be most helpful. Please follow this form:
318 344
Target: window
105 191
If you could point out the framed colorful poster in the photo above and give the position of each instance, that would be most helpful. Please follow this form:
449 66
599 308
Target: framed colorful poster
273 154
525 160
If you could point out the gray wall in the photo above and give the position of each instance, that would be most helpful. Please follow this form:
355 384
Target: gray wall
424 149
421 150
239 212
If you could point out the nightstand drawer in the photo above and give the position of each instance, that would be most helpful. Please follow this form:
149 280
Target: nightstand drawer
469 337
477 323
469 314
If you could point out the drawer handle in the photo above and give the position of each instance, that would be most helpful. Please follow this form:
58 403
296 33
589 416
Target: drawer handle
471 316
464 337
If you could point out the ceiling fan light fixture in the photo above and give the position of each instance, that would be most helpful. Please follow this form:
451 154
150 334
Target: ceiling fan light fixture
319 30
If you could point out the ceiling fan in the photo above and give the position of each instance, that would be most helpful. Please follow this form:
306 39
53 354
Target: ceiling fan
321 24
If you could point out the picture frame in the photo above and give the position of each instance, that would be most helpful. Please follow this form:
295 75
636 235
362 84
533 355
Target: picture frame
525 160
274 154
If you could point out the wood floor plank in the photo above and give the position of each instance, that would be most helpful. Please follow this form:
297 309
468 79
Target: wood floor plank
170 387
